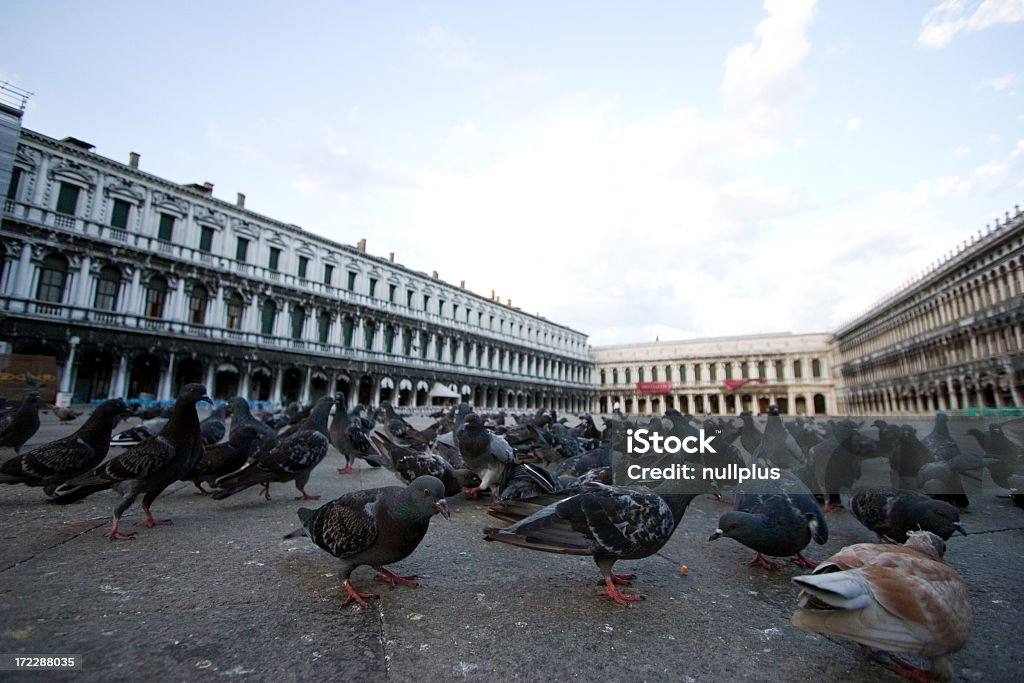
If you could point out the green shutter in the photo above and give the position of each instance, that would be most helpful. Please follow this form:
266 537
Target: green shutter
166 231
67 199
119 216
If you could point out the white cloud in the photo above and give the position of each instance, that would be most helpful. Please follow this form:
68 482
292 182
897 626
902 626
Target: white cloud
451 52
853 124
1000 83
765 71
944 21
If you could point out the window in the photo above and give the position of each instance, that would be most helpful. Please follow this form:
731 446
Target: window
303 266
242 249
15 184
53 275
205 239
119 215
67 199
328 274
762 369
780 369
373 286
347 327
268 316
797 370
235 306
156 297
713 372
391 292
696 372
351 281
602 376
389 339
408 297
744 370
275 259
323 327
440 306
298 321
107 286
197 303
369 328
407 343
455 311
682 374
426 302
166 230
816 368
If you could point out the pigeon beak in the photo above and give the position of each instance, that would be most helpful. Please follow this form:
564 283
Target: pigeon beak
956 525
207 399
717 535
442 507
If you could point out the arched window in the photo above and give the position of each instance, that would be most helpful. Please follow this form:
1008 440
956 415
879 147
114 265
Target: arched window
156 296
235 306
640 375
347 326
197 303
629 376
108 285
53 276
389 339
298 321
268 316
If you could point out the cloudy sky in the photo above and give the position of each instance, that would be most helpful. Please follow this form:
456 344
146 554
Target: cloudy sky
633 170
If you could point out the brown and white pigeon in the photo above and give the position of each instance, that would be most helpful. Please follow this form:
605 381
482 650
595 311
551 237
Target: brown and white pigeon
53 464
374 527
608 523
147 468
893 598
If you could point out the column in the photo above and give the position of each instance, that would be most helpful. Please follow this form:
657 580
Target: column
275 392
24 275
69 366
120 379
243 384
82 289
1014 391
211 377
166 380
304 394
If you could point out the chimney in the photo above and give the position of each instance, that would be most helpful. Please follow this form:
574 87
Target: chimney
361 245
510 303
434 275
492 295
133 159
462 284
240 201
391 256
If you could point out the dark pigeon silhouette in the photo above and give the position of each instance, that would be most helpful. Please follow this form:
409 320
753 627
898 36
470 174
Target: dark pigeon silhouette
374 527
349 437
894 513
293 459
907 458
750 434
225 457
59 461
147 468
23 424
133 436
778 447
241 416
214 427
1003 455
66 415
608 523
526 480
776 518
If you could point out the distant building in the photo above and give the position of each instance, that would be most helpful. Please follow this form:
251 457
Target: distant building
718 376
950 340
138 285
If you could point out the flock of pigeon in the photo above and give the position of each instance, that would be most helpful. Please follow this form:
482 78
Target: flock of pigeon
554 486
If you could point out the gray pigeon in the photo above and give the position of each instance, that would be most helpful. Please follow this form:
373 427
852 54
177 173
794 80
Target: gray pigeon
374 527
348 436
938 441
293 459
778 447
58 461
147 468
894 513
776 518
23 425
225 457
489 456
213 427
608 523
241 417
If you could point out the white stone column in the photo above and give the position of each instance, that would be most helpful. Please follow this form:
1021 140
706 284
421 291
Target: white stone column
69 366
120 378
304 394
166 384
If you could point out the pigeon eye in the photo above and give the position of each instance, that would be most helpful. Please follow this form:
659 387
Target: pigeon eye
426 492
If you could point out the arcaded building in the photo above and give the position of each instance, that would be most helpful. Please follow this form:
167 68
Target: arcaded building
138 285
949 340
722 376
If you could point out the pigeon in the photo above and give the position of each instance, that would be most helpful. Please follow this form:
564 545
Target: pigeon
348 437
908 456
894 598
147 468
777 518
894 513
608 523
23 425
778 447
374 527
526 480
225 457
66 415
408 464
133 436
213 427
59 461
487 455
1004 454
750 434
241 417
584 462
293 459
938 441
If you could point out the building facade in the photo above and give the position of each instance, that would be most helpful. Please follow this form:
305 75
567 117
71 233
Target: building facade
950 340
717 376
138 285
